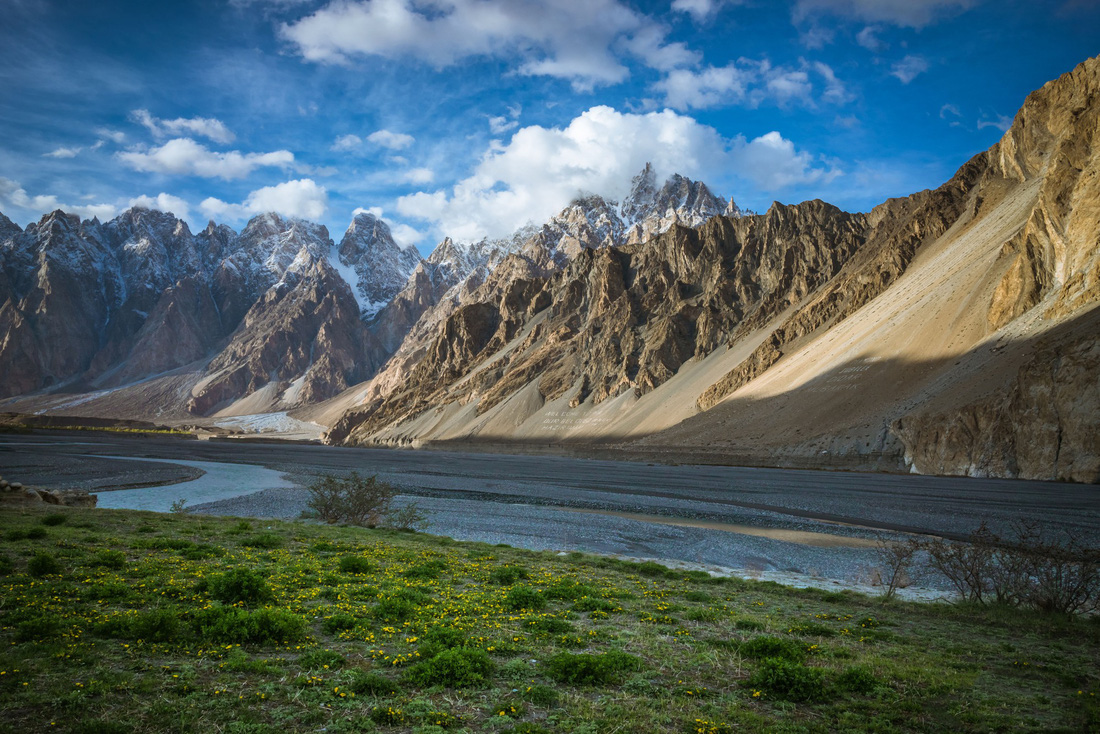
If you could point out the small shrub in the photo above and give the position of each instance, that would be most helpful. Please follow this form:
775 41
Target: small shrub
241 585
387 716
459 667
394 609
35 533
113 559
356 565
588 669
811 629
315 659
361 683
178 506
102 726
230 625
43 564
426 571
339 623
789 681
36 629
6 565
156 625
705 614
267 541
353 499
409 518
570 590
508 575
54 519
594 604
550 626
698 596
438 639
540 695
655 570
856 680
767 646
524 597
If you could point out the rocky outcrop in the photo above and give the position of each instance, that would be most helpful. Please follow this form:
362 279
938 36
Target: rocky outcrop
1042 426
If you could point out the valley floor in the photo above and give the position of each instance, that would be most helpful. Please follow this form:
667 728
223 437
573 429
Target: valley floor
802 527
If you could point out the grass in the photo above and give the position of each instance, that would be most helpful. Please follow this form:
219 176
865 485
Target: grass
135 622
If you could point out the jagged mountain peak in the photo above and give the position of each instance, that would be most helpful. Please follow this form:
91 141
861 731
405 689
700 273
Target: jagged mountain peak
374 265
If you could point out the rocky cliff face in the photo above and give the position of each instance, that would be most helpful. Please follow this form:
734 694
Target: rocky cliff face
900 336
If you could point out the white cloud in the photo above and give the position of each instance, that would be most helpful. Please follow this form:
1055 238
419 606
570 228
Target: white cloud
568 39
301 198
206 127
949 109
905 13
14 195
374 211
772 163
501 125
164 203
909 68
347 143
868 38
1001 122
417 176
405 235
391 140
835 90
701 10
649 46
183 156
750 83
684 89
114 136
541 169
63 153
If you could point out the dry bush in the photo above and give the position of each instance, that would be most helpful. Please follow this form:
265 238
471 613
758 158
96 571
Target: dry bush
895 561
1031 569
354 500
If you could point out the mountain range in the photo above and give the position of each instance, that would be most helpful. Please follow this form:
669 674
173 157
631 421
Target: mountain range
951 332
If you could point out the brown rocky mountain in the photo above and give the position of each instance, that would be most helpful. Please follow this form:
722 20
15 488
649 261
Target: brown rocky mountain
952 331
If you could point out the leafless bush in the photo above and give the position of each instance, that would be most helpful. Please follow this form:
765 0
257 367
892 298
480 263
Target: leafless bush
895 562
353 499
1030 569
408 517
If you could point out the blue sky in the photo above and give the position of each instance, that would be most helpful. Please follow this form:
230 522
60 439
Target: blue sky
470 117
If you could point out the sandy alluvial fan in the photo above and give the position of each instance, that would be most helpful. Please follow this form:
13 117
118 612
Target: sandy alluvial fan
952 331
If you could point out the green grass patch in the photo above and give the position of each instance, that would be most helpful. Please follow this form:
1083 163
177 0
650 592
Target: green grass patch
180 623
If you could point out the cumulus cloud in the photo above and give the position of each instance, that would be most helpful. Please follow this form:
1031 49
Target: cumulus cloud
772 163
183 156
12 194
164 203
500 125
391 140
115 136
63 153
750 83
540 170
206 127
701 10
347 143
905 13
909 68
405 235
301 198
569 39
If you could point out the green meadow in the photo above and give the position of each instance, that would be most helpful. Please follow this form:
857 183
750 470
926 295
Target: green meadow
118 621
